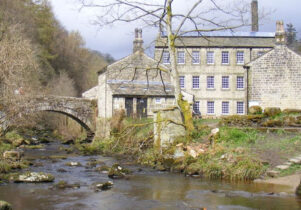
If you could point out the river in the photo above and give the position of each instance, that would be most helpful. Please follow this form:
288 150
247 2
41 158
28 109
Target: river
144 189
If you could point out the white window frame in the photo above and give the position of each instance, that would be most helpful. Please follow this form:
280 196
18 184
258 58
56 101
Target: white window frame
158 100
225 57
210 57
210 82
225 107
240 107
240 57
182 82
195 82
165 57
181 57
196 107
224 82
240 83
195 56
210 107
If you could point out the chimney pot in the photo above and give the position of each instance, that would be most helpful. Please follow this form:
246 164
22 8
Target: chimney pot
138 41
280 34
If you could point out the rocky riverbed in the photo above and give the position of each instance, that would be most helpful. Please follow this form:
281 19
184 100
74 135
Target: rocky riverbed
96 182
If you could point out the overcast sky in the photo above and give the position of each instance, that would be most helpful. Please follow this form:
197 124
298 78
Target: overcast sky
117 40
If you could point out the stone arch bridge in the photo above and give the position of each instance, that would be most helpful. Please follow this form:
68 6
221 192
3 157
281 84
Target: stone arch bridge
83 111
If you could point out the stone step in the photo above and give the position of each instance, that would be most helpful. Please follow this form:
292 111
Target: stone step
295 160
282 167
273 173
288 163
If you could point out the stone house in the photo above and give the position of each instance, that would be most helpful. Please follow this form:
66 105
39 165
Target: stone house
274 79
137 83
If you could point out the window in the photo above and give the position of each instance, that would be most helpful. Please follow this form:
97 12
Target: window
182 82
240 82
181 57
225 57
210 82
210 57
210 107
240 57
166 58
240 107
196 107
195 57
195 82
225 82
225 107
158 100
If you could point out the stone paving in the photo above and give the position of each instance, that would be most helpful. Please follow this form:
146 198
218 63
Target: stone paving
284 166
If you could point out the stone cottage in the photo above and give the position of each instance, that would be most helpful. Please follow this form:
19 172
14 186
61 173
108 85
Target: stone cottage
137 83
274 79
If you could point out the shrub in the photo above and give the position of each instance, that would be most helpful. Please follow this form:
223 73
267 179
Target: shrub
272 111
292 111
255 110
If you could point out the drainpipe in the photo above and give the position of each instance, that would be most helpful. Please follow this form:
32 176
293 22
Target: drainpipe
247 88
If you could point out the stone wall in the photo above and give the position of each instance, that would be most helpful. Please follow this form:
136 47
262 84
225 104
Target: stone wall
168 126
275 79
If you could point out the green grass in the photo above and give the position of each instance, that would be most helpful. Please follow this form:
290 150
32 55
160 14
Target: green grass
238 137
4 167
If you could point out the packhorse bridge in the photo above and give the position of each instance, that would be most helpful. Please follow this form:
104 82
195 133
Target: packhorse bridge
83 111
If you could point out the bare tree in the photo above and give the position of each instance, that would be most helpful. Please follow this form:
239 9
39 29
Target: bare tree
202 16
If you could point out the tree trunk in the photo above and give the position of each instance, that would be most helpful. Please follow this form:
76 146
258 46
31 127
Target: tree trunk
183 105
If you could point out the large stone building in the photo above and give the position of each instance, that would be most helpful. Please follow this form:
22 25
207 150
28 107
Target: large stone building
224 72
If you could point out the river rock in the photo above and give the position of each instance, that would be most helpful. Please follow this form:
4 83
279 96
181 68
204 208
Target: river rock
64 185
103 169
5 205
74 164
118 172
68 142
12 155
34 177
103 186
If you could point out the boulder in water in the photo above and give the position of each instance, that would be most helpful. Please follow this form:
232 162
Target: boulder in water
104 186
5 206
34 177
118 172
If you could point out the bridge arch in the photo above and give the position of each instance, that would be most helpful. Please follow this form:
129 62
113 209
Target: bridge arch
83 111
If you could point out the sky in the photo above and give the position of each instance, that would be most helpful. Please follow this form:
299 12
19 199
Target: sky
117 40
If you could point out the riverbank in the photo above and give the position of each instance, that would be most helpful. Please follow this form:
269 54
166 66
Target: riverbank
237 153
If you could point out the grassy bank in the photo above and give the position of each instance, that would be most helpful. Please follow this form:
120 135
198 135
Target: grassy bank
237 154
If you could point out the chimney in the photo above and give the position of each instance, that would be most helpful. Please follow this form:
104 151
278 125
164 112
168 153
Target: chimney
254 8
138 42
280 34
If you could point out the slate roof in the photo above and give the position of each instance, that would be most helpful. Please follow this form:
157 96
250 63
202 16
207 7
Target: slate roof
135 89
222 39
